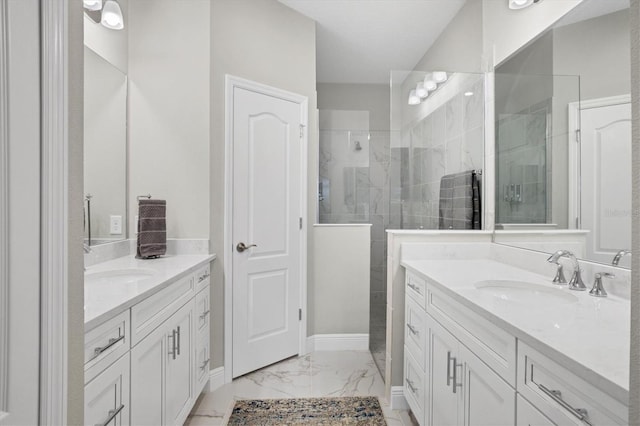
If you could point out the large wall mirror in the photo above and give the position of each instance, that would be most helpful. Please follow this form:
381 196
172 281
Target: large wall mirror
563 137
105 150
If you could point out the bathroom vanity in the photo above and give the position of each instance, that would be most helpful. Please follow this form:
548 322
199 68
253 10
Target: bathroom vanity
489 343
146 348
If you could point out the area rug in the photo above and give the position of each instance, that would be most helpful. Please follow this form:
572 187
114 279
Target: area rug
308 411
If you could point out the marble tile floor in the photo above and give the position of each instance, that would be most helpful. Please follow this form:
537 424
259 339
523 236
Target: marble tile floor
318 374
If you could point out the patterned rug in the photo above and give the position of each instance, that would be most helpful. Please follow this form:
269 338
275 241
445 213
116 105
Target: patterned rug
308 411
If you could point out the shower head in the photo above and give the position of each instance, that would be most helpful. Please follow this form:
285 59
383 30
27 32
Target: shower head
358 146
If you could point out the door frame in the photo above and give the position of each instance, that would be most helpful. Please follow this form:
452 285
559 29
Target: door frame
232 82
575 185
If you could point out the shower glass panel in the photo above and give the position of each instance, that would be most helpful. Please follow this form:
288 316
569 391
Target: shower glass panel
433 137
532 149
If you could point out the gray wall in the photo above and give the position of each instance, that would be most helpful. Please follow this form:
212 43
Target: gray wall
264 41
359 97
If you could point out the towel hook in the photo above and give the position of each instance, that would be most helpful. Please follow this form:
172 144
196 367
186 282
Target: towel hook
148 197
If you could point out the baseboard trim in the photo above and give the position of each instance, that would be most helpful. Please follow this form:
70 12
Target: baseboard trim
216 379
338 342
398 402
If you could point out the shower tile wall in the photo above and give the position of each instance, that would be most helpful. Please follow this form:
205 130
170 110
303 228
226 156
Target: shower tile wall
449 140
354 188
522 158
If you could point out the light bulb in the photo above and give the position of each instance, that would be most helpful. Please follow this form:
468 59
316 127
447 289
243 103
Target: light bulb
413 98
92 4
439 76
112 15
421 91
429 84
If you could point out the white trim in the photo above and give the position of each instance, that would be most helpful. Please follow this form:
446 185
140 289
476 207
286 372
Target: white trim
398 401
232 82
338 342
4 214
216 379
574 152
54 205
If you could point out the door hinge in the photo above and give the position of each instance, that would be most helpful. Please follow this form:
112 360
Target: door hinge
301 131
578 136
300 223
300 314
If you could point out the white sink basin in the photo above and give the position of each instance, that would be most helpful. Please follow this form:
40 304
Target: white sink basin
119 276
525 293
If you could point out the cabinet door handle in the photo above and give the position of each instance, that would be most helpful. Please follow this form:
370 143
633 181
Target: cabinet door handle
178 340
204 314
556 395
112 341
173 344
112 415
456 385
414 288
411 386
203 277
449 368
413 330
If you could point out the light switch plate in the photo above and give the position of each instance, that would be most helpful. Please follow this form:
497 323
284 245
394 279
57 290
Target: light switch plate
115 225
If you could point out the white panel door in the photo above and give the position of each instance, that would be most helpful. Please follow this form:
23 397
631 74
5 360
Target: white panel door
266 212
606 180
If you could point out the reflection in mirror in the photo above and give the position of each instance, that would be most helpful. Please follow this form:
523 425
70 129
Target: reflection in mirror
563 137
105 150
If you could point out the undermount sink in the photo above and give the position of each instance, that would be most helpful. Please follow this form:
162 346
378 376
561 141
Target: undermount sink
120 276
525 293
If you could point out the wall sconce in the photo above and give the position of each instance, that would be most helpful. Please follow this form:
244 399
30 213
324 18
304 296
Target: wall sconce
111 15
521 4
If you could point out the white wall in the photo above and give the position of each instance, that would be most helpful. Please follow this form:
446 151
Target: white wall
169 64
339 298
263 41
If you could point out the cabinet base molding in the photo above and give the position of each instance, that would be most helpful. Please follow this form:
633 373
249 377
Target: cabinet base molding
398 402
338 342
216 379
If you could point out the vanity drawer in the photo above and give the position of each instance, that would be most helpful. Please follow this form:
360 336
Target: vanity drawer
561 395
415 288
153 311
414 387
415 332
494 346
203 306
202 277
105 344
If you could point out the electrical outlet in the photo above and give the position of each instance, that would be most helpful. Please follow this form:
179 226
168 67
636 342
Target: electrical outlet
115 225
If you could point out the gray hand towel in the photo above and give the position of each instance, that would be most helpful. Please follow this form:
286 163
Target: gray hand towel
152 229
460 201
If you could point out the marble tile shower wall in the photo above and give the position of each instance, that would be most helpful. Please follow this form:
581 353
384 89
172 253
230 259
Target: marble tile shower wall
449 140
522 158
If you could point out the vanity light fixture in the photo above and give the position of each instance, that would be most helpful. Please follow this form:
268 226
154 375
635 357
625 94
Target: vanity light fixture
421 91
413 98
439 76
112 15
429 84
92 4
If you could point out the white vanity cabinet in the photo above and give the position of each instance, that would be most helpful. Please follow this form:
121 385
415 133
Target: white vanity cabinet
148 364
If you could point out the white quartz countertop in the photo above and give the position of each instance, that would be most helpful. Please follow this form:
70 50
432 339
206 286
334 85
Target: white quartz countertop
103 301
590 336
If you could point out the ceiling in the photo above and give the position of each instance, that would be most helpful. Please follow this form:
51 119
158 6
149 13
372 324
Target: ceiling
361 41
589 9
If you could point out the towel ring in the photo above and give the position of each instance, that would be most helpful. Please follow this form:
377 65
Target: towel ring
140 197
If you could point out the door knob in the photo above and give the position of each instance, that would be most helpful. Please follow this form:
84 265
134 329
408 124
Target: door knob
242 247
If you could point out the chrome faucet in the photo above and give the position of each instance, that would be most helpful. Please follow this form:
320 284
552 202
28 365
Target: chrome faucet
616 258
559 278
575 283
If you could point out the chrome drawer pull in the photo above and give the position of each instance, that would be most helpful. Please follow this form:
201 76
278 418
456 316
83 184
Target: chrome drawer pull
204 314
203 277
112 415
414 288
112 341
556 395
204 364
178 340
413 330
411 386
455 374
173 344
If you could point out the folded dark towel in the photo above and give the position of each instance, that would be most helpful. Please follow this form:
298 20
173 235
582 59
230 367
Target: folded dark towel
459 206
152 229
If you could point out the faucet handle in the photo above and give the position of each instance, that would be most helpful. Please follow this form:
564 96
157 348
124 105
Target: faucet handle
598 290
559 278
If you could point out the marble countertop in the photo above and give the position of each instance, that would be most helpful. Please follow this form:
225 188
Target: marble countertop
590 337
103 302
